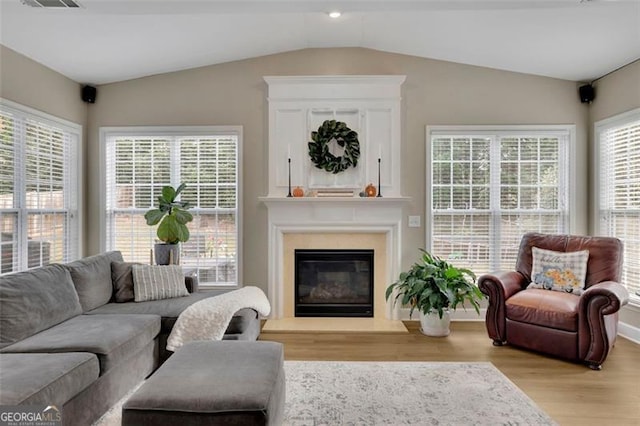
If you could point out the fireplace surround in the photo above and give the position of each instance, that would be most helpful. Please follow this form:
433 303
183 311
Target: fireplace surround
312 223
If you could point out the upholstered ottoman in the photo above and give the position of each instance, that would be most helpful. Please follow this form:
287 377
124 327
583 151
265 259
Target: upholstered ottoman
213 383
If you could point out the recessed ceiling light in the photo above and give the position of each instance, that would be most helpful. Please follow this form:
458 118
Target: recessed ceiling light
335 14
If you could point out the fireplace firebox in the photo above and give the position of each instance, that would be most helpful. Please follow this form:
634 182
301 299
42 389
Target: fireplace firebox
333 283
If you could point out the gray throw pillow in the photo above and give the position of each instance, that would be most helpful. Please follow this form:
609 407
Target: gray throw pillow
122 277
92 279
152 282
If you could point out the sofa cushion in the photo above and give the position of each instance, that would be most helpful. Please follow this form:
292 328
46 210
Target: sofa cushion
170 309
35 300
92 278
551 309
111 337
122 278
45 379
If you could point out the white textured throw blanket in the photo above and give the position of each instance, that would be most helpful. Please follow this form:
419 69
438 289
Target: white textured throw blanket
209 318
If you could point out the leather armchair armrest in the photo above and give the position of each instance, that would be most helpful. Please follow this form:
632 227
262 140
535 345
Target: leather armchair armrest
191 282
499 287
598 320
609 295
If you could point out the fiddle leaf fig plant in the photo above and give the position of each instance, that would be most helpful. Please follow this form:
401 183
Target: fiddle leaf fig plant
432 284
172 216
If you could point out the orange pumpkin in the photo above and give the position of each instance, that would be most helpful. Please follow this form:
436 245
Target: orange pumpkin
298 192
370 190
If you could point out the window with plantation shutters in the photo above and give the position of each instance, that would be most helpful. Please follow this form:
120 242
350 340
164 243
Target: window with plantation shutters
38 189
138 163
487 187
618 140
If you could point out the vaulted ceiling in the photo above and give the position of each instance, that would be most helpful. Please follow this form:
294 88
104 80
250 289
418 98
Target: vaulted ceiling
112 40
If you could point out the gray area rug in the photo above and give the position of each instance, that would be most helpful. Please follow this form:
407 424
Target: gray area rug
398 393
405 393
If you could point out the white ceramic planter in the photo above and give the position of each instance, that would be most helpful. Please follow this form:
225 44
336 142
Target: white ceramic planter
432 325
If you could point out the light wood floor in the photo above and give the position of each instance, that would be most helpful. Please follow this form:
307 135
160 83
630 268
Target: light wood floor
570 393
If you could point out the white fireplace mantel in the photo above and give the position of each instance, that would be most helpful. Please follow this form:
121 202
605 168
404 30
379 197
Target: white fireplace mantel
331 216
335 201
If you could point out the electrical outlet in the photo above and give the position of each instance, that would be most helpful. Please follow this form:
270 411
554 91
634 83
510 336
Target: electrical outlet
414 221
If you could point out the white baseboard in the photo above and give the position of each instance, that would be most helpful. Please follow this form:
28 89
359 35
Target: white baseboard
629 332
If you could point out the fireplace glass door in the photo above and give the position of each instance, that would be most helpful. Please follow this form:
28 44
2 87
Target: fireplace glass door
334 283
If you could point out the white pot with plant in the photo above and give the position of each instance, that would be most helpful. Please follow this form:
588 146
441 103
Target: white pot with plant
172 217
434 287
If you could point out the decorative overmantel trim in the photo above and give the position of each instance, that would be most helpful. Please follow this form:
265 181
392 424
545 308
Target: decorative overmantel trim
367 104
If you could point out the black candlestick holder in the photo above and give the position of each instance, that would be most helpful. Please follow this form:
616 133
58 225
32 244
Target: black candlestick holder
379 186
289 164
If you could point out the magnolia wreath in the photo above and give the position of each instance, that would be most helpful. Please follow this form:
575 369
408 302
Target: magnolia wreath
344 137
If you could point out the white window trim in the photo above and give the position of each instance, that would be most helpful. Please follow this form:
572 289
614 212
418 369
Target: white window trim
76 169
540 129
105 132
598 128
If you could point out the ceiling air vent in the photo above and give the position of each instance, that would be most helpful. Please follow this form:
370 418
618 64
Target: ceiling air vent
51 3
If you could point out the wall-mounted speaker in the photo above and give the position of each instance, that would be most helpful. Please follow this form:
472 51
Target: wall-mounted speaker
89 94
587 94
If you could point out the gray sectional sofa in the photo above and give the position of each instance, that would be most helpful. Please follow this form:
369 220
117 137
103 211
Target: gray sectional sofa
64 341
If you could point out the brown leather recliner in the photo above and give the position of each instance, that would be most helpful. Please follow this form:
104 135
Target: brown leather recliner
578 328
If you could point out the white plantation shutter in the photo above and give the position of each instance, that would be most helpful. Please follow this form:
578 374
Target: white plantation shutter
138 166
489 188
38 189
619 190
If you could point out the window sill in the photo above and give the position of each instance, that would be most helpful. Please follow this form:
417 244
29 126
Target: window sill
634 304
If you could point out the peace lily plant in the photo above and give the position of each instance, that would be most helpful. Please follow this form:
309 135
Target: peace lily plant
433 287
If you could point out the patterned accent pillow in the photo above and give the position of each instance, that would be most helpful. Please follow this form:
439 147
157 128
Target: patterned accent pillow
158 282
559 271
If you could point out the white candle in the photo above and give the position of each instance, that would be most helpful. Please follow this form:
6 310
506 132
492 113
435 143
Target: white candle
289 151
379 150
